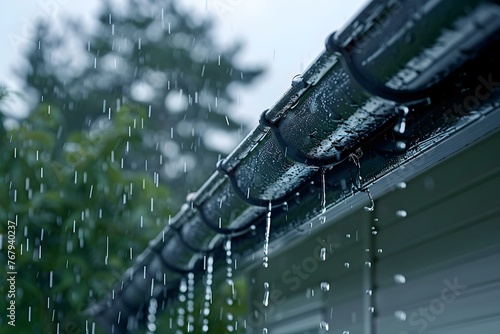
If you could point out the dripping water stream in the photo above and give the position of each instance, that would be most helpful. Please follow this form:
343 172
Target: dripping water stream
322 217
265 259
231 325
208 294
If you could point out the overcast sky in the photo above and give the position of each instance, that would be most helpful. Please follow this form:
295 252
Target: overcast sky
284 36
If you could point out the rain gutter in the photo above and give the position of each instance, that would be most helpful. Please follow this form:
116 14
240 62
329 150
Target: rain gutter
384 91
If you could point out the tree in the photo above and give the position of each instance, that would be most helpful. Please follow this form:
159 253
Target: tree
82 171
79 218
154 55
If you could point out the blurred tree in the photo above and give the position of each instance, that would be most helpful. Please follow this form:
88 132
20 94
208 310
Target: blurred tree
80 218
118 118
153 54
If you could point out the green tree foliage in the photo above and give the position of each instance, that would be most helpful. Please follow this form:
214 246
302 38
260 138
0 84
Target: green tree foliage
81 219
153 54
119 117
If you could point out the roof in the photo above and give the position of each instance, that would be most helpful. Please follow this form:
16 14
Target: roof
397 81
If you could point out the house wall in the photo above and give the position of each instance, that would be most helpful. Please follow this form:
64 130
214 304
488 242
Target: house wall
435 270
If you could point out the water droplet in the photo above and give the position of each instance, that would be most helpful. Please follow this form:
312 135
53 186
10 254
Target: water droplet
401 126
400 145
323 325
265 262
399 279
323 192
372 206
325 286
401 185
322 254
296 80
266 294
346 264
400 315
401 213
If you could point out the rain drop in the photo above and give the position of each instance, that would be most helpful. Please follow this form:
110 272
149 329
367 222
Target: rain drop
325 286
401 213
265 301
323 325
400 145
322 254
400 315
401 185
399 279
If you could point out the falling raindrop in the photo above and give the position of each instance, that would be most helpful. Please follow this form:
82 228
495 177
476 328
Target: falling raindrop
400 315
322 254
266 294
265 262
264 330
401 213
325 286
399 279
401 185
401 126
400 145
323 325
346 264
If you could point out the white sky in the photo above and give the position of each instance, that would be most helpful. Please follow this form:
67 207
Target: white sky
284 36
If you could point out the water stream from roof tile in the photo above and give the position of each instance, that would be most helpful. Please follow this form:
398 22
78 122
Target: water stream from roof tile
190 303
208 293
265 259
322 217
354 157
181 311
151 320
229 279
